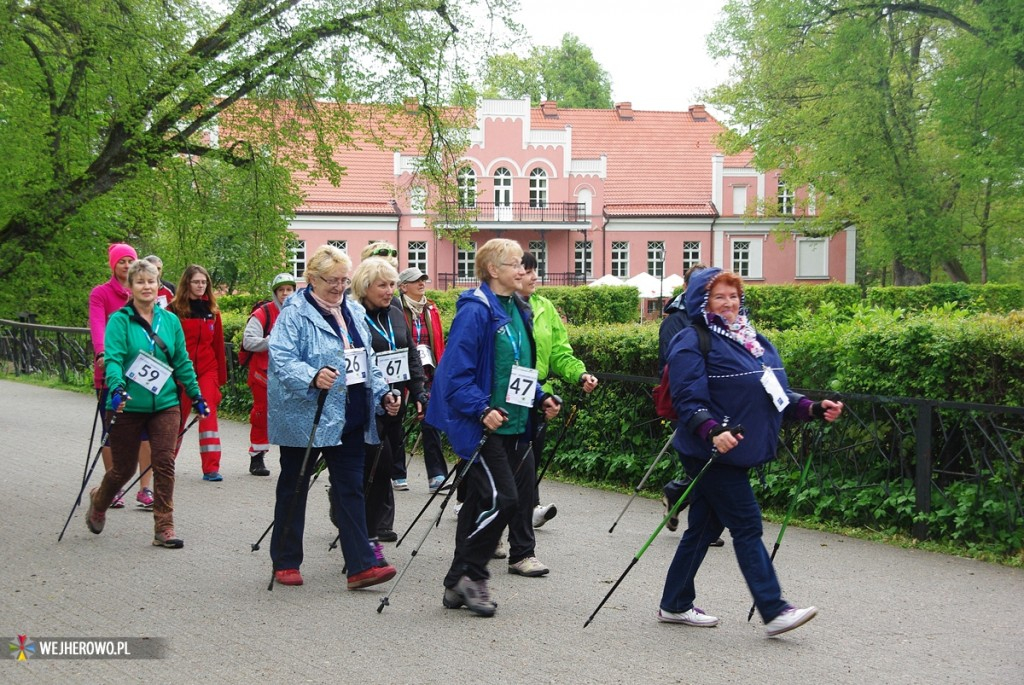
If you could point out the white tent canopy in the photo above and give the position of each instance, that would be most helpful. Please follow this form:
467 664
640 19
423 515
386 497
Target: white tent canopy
670 283
607 279
647 284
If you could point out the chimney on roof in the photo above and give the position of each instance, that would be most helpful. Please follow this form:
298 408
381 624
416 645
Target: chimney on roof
698 113
624 110
412 105
549 108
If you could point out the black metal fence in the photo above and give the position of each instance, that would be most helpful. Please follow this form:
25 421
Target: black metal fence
948 470
446 281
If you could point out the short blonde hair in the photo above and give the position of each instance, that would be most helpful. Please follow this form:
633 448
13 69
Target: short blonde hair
494 253
324 259
142 266
369 272
369 250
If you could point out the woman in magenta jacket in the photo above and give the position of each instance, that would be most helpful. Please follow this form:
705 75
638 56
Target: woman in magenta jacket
195 305
104 300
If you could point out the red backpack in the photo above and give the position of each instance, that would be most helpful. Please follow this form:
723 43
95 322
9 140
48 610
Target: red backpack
244 355
662 394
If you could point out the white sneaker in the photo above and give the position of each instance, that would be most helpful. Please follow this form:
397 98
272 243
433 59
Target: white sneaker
790 618
501 551
457 508
542 514
529 567
692 617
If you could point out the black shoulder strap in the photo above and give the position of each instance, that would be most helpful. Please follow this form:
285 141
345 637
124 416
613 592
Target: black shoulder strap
704 338
149 329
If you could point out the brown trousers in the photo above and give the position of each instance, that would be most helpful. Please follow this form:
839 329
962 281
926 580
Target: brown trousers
124 440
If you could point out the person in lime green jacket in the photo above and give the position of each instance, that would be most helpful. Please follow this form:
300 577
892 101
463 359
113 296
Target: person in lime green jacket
144 356
554 358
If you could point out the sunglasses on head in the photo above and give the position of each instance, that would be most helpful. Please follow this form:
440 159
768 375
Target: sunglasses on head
385 252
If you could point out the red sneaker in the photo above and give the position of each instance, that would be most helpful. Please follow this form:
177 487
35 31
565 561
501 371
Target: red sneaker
371 576
288 576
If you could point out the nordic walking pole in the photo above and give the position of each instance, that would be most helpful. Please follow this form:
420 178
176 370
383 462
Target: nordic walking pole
426 506
184 430
88 474
737 430
785 521
551 452
643 481
321 398
318 470
385 600
92 436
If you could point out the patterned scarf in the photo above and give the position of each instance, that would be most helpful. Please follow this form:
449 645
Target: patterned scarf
740 330
335 311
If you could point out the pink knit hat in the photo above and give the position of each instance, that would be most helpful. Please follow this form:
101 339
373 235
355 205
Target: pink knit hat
119 251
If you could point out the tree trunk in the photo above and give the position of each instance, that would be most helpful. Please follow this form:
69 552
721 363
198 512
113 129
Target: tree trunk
904 275
955 270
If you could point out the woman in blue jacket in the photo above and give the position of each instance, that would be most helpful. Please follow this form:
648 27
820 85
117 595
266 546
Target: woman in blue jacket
487 381
320 342
740 382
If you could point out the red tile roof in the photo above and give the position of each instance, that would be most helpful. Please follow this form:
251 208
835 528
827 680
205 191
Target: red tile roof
653 158
703 209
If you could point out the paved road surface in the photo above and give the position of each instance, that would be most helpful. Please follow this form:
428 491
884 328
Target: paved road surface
887 615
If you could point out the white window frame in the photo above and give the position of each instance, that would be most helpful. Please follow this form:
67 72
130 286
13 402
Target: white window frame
465 262
739 200
583 261
539 249
538 188
786 199
620 259
746 256
691 254
417 255
812 258
340 244
297 258
467 188
502 187
656 258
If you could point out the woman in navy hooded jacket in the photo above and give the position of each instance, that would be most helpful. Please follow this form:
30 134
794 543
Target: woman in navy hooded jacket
487 381
741 382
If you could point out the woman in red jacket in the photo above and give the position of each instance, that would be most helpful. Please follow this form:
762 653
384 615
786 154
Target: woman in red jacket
196 307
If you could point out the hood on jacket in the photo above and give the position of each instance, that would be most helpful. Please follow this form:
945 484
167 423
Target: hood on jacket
696 295
676 304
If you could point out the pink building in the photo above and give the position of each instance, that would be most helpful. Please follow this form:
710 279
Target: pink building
591 193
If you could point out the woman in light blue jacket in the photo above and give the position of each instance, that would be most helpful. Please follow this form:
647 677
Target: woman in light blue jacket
321 343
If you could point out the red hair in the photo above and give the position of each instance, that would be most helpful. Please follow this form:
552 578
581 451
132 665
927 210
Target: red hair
728 278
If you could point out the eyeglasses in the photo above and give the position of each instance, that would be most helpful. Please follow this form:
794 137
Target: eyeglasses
513 265
335 282
384 252
203 282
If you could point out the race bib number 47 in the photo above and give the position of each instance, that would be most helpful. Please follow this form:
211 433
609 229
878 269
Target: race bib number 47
522 386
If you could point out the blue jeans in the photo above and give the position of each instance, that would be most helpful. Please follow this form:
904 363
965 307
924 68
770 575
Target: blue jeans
722 498
345 463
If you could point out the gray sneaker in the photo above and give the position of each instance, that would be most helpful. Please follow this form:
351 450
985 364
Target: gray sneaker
529 567
472 594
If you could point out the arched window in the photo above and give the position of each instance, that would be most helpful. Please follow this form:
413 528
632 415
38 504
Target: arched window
538 188
467 187
502 187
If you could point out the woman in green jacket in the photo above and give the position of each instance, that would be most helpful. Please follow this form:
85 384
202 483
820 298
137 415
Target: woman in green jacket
144 355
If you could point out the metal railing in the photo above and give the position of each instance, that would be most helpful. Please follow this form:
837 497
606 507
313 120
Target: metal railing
446 281
523 212
55 351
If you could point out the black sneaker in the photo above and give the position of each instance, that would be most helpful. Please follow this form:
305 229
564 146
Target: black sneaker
387 535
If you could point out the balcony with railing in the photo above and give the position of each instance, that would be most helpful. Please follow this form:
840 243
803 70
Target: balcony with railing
523 212
445 281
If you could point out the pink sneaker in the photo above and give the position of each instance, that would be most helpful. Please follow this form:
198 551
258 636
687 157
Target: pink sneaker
118 502
145 498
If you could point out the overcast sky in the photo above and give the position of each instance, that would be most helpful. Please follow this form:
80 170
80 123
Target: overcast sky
654 50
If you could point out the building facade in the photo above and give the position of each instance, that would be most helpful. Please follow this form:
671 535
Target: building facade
591 193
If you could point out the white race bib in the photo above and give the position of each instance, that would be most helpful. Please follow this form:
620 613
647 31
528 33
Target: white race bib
149 372
426 355
774 389
394 365
522 386
355 365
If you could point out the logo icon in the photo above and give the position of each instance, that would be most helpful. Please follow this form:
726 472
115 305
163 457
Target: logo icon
22 648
